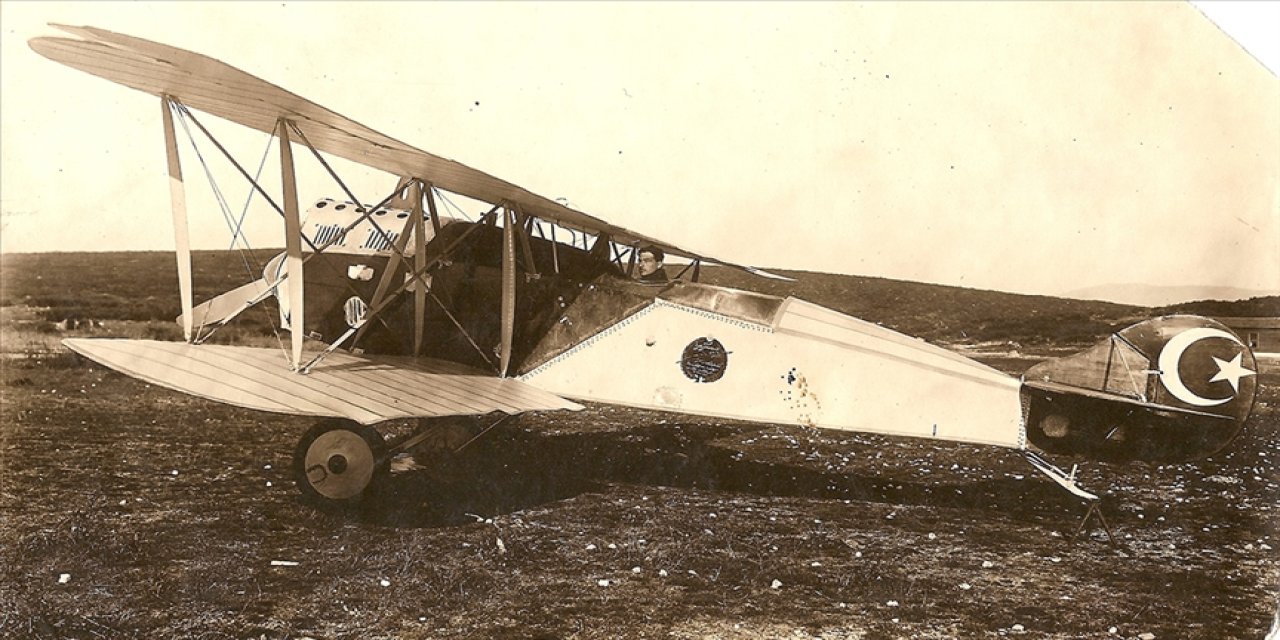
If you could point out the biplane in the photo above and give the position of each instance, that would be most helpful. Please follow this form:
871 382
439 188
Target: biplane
398 310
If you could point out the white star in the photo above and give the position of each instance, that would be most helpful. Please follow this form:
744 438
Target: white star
1231 371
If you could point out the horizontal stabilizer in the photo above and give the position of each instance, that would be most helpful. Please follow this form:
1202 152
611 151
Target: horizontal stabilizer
1172 388
1054 387
367 389
228 305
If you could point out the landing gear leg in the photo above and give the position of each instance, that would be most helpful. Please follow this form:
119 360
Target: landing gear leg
436 445
337 462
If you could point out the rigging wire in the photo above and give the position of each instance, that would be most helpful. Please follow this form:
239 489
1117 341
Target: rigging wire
238 231
450 203
317 251
181 111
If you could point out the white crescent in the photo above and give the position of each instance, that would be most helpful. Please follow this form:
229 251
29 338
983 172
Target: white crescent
1171 357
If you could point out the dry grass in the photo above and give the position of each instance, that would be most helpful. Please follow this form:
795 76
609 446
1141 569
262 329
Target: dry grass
166 513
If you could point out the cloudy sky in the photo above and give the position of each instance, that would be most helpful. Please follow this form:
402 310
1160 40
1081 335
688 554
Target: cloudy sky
1036 148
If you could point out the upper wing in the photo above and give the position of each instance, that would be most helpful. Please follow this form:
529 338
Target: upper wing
215 87
367 389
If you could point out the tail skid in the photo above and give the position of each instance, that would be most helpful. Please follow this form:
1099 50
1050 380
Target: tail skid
1068 481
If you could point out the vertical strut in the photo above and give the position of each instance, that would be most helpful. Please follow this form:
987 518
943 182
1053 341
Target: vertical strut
389 272
420 260
523 231
555 255
429 191
292 243
178 202
631 261
508 289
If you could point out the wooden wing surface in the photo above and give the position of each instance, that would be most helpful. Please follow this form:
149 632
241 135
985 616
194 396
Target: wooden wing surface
367 389
214 87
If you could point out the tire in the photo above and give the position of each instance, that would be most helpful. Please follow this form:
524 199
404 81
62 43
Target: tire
337 462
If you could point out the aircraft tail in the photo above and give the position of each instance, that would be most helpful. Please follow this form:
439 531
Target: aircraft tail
1171 388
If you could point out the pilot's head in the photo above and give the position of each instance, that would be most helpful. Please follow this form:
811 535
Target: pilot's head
650 259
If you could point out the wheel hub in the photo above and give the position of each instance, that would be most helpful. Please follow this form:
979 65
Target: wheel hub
339 464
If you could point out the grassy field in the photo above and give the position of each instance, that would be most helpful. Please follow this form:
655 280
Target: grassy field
130 511
142 286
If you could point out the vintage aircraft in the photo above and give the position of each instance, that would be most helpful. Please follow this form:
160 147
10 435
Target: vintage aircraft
396 310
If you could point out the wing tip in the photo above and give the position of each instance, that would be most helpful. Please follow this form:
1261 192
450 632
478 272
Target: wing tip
82 31
43 44
769 274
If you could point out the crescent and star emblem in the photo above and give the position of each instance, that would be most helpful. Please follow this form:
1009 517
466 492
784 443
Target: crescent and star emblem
1171 356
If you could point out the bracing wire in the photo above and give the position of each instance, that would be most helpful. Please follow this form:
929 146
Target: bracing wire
181 111
237 232
451 205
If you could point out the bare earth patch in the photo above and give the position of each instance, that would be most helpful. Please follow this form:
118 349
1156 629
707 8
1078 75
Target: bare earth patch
130 511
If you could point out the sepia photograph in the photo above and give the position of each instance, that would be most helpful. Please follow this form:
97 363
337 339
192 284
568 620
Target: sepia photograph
721 320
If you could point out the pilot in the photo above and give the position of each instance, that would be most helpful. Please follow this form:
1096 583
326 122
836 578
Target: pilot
650 269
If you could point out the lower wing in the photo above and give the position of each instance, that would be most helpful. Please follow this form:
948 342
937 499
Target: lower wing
367 389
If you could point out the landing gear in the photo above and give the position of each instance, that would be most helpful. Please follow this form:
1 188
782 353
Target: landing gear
1068 481
337 461
434 448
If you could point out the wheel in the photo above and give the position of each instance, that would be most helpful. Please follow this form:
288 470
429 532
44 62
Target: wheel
337 461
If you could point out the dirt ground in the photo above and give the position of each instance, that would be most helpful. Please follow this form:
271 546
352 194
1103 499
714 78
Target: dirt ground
131 511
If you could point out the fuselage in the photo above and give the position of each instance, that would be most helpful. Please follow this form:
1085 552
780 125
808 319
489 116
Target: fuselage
585 330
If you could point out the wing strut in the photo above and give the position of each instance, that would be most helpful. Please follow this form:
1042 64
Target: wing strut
316 251
178 202
388 272
416 192
292 242
555 256
419 275
525 248
631 260
508 288
400 197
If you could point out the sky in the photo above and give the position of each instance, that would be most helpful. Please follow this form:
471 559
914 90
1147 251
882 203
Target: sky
1028 147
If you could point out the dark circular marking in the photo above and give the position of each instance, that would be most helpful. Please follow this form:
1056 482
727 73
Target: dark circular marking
337 463
704 360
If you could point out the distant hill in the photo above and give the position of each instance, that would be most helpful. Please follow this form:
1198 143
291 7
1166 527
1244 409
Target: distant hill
942 313
1158 296
949 314
143 286
1261 307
